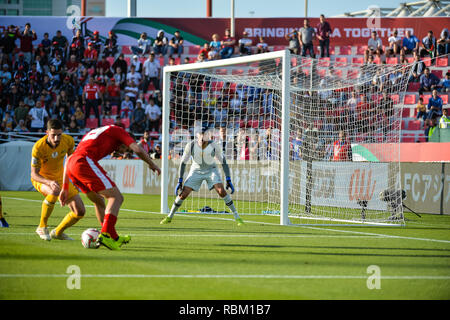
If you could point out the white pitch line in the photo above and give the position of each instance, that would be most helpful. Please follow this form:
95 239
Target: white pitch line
275 224
225 276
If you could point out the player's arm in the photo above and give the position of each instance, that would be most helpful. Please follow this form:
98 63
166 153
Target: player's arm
144 156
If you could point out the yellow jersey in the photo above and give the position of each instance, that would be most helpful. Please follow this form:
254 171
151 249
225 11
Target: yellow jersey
50 161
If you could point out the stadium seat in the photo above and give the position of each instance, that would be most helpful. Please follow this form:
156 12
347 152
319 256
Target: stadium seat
253 72
293 62
91 123
410 59
408 139
126 122
410 99
395 98
110 60
427 61
444 98
438 73
221 71
340 61
194 49
360 50
442 62
126 50
107 121
352 73
278 48
358 60
114 110
253 124
268 124
403 125
377 60
421 138
406 112
322 72
338 73
237 71
414 125
426 98
128 60
392 60
345 50
413 86
324 62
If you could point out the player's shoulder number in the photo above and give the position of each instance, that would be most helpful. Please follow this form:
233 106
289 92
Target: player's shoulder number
93 134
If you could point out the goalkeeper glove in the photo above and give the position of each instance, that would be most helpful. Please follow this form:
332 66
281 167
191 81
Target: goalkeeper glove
229 185
179 186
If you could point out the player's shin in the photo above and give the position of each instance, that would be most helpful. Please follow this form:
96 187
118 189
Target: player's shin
229 203
176 205
47 208
69 220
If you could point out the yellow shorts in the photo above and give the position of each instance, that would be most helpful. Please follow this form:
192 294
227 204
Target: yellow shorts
72 190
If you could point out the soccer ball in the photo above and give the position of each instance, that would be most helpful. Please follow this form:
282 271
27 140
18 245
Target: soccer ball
89 238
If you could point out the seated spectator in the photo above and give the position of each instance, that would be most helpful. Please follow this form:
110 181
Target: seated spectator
435 105
418 68
227 45
156 152
104 67
126 107
73 126
395 45
144 45
428 81
445 85
79 117
160 44
176 44
443 43
293 41
444 122
113 93
262 46
428 46
134 76
78 44
421 109
215 46
205 51
5 75
96 41
111 48
374 45
430 126
245 44
201 57
62 43
410 43
138 118
90 56
8 122
46 43
144 142
21 126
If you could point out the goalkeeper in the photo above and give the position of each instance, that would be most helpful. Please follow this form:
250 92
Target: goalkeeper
203 153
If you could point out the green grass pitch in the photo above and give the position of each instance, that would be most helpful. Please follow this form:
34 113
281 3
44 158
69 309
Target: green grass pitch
199 257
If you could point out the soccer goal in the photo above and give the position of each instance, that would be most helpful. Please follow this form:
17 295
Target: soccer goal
315 141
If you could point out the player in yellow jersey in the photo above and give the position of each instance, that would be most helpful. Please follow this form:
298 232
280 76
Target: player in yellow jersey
47 167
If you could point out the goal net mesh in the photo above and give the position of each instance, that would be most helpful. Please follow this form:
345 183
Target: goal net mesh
344 135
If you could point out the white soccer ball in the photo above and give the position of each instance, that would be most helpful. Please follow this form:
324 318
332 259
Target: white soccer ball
89 238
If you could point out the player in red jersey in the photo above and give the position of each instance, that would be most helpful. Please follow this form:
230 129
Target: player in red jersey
83 169
342 150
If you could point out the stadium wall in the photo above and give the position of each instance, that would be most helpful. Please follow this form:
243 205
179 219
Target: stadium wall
197 31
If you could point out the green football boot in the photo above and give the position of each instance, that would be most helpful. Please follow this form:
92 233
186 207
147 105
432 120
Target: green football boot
240 222
105 240
166 220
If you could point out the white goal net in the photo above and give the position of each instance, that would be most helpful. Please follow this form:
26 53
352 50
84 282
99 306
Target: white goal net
319 145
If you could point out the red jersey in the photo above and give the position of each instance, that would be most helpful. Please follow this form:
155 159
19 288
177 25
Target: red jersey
91 91
100 142
342 151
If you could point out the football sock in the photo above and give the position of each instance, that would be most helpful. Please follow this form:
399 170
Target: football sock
69 220
109 225
47 208
229 202
176 204
1 208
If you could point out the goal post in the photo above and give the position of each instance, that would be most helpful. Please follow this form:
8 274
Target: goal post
311 140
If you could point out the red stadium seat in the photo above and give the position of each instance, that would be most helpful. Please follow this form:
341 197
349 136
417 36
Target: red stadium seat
444 98
340 61
126 122
324 62
126 50
345 50
406 112
410 59
293 62
194 49
237 71
91 123
410 99
114 110
413 86
414 125
408 139
107 121
360 50
403 125
253 72
426 98
438 73
278 48
427 61
110 60
395 98
352 73
221 71
253 124
442 62
358 60
392 60
268 124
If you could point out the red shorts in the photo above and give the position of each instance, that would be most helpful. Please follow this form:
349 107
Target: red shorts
88 175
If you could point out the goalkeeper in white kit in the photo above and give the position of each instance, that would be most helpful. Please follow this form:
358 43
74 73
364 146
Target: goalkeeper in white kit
203 153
